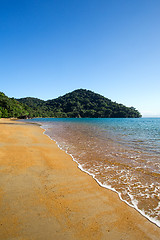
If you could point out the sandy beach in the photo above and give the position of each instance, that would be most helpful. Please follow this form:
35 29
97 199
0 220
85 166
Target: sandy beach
45 196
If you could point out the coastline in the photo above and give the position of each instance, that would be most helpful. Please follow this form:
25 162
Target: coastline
45 196
108 187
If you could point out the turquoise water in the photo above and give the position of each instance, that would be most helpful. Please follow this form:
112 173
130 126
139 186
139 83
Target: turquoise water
120 154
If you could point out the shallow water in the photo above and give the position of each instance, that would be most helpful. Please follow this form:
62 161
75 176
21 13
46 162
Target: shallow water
121 154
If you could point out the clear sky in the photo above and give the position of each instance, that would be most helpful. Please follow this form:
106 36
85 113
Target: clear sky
112 47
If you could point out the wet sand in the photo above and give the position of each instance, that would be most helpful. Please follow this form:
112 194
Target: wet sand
44 196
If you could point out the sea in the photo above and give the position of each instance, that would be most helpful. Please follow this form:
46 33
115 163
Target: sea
121 154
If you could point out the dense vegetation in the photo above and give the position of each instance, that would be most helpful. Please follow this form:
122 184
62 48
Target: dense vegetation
79 103
9 107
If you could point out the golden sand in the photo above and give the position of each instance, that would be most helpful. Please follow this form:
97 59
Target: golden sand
44 196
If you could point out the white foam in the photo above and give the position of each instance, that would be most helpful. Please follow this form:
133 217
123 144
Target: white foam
134 201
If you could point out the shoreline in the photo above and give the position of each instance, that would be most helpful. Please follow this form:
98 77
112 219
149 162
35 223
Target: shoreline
152 220
61 199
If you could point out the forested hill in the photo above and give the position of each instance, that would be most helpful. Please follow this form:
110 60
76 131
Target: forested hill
9 107
79 103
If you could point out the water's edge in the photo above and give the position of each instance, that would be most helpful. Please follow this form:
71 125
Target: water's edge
152 220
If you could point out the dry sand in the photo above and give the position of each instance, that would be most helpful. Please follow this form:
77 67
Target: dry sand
44 196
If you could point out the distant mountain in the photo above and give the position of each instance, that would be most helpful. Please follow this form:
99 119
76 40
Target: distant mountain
79 103
9 107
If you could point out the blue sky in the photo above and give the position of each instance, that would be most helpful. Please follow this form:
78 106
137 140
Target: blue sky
112 47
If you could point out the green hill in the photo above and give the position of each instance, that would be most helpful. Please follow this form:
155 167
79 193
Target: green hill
9 107
79 103
34 106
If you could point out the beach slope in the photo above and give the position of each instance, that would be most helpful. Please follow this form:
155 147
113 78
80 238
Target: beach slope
44 196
